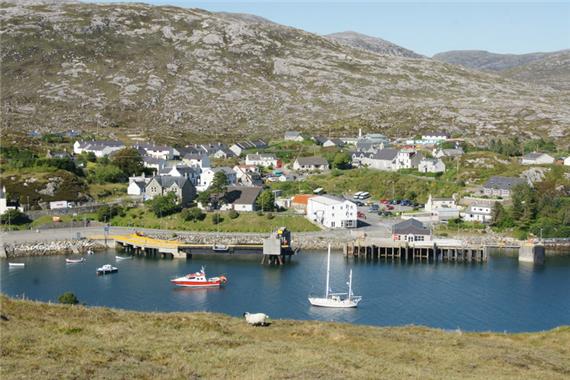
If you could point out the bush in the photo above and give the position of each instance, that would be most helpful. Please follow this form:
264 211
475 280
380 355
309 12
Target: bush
68 298
260 213
233 214
14 217
164 205
217 218
108 212
270 215
192 214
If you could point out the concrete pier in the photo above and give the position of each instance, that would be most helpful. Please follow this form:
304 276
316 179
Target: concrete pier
532 253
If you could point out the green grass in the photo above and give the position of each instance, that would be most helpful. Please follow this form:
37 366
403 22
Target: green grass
246 222
63 341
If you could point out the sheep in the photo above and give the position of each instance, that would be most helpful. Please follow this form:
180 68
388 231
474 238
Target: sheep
257 319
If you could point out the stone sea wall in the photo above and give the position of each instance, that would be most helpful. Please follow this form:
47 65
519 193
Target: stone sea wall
46 248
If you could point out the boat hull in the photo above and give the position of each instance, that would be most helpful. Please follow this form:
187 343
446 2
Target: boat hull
331 303
71 261
197 284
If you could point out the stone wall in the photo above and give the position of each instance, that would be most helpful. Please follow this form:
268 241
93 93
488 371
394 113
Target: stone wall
46 248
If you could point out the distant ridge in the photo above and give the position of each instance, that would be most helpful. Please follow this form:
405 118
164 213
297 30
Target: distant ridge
373 44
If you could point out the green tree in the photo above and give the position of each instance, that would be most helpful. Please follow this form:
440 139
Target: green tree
217 218
342 160
14 217
68 298
163 205
219 184
193 214
233 214
106 173
107 212
129 161
266 201
203 198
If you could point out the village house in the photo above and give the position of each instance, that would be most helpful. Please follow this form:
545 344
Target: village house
319 140
332 212
162 185
161 152
99 148
293 136
248 175
299 202
431 165
311 164
333 143
384 159
407 158
450 153
5 204
264 159
537 159
137 184
217 150
442 209
154 163
207 176
192 173
196 160
478 212
411 230
240 147
499 186
242 198
433 138
57 154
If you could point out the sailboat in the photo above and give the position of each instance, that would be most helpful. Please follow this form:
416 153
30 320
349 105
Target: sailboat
336 300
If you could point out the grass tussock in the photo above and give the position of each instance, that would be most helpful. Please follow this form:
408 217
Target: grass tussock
57 341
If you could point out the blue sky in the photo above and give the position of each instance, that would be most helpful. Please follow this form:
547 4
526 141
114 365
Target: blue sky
422 26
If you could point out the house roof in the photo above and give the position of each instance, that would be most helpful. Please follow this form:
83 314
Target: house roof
503 183
387 154
320 139
242 195
302 199
141 184
224 169
312 161
410 226
167 180
533 155
100 145
260 156
328 200
292 134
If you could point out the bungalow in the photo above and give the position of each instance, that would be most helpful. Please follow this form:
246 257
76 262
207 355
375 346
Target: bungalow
501 186
217 150
410 230
451 153
433 204
162 152
333 143
311 164
384 159
332 212
240 147
265 160
99 148
482 213
242 198
293 136
431 165
162 185
433 138
319 140
537 159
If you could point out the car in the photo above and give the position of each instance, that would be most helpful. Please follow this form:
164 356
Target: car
390 208
360 214
373 208
358 203
384 201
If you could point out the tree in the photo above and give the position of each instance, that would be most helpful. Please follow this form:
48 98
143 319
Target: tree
233 214
107 212
193 214
342 160
68 298
203 198
15 217
219 184
266 200
106 173
129 161
217 218
163 205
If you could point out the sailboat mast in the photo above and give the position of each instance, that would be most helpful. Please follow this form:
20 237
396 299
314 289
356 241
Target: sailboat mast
350 285
328 271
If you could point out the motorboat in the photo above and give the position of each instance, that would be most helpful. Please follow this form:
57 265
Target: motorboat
220 248
123 257
75 261
16 265
107 268
336 300
90 251
200 280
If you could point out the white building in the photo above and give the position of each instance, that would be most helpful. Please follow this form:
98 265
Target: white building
451 153
137 184
482 213
433 138
537 159
433 204
162 152
242 198
311 164
4 206
293 136
99 148
431 165
567 161
332 212
197 160
384 159
265 160
207 177
408 158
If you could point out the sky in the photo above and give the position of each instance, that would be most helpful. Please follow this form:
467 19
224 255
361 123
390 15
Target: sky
426 27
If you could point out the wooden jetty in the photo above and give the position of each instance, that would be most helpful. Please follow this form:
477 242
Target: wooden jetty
435 250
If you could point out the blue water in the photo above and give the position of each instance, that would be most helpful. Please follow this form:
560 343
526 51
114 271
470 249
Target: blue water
500 295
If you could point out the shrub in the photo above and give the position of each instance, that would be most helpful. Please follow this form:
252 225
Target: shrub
107 212
233 214
15 217
68 298
217 218
260 213
164 205
192 214
270 215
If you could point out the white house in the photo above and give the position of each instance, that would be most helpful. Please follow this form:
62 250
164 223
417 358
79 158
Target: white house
332 212
162 152
433 204
196 160
311 164
137 185
265 160
239 147
99 148
431 165
482 213
407 158
567 161
207 176
537 159
384 159
433 138
4 206
248 175
332 143
293 136
192 173
154 163
242 198
411 230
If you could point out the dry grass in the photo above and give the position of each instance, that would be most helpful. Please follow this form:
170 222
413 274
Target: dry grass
56 342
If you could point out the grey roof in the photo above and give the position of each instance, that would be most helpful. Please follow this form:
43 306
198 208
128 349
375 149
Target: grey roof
312 161
292 134
185 170
140 183
503 183
337 142
224 169
410 226
167 181
242 194
194 156
387 154
533 156
100 145
320 139
259 156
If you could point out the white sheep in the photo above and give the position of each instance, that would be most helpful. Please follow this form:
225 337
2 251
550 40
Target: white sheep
257 319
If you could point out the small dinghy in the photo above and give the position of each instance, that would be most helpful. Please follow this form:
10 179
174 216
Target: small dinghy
220 248
75 261
107 268
16 265
90 251
123 257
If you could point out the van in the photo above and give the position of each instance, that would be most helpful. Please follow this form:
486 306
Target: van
357 195
364 195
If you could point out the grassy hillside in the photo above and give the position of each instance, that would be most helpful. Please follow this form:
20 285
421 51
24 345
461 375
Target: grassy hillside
54 341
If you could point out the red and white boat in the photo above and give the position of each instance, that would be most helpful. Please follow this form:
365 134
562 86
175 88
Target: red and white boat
199 280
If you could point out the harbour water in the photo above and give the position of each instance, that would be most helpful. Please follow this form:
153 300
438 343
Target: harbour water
499 295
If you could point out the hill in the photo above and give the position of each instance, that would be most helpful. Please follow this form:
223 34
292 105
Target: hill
373 44
79 342
551 69
175 75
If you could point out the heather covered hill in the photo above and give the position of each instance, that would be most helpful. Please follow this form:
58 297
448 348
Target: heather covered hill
172 73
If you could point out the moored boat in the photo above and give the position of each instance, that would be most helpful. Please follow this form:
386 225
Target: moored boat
220 248
123 257
200 280
16 265
74 261
107 268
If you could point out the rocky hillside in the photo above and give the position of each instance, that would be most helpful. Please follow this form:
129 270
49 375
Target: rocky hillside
178 74
373 44
551 69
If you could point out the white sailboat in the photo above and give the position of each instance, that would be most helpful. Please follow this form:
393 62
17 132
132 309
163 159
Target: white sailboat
336 300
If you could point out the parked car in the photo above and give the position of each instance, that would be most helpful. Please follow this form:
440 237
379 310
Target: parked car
384 213
390 208
384 201
358 203
360 214
373 208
